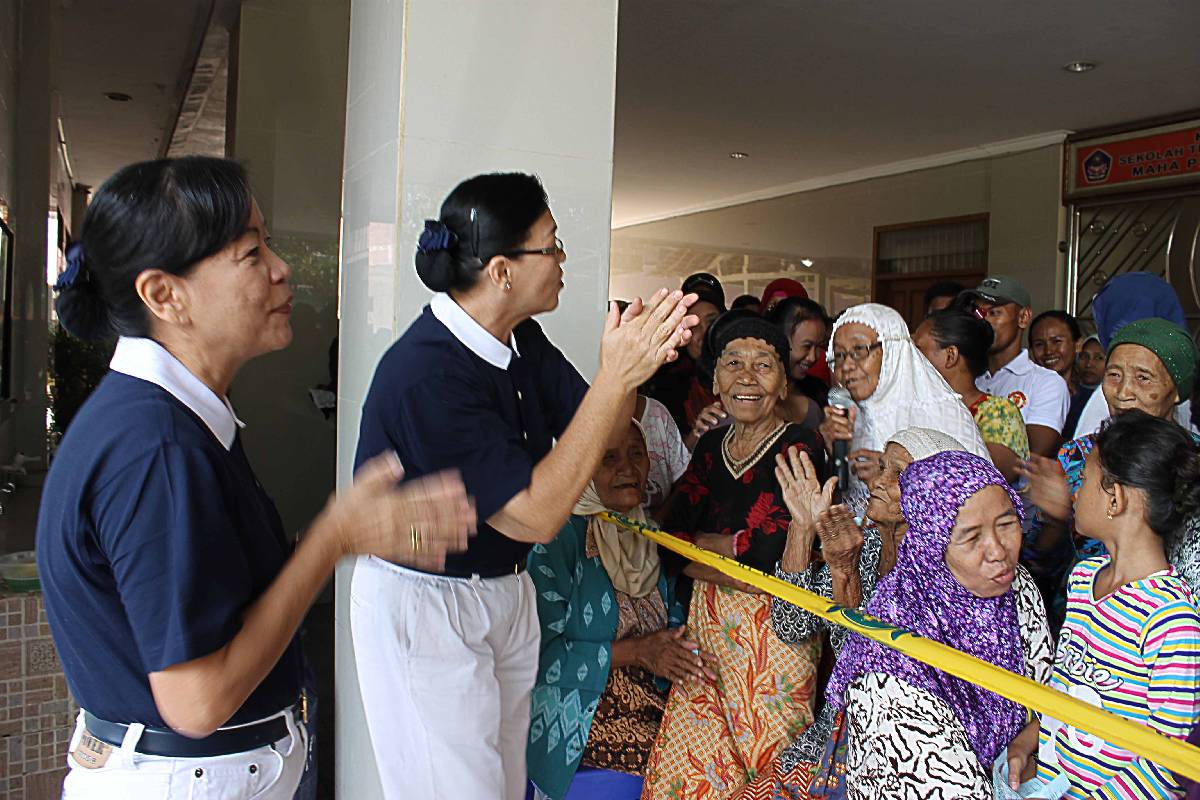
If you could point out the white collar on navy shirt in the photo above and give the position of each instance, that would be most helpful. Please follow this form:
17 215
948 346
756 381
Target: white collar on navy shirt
473 335
148 360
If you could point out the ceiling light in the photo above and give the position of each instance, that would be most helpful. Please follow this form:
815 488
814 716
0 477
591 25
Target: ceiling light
808 262
1080 66
118 97
738 155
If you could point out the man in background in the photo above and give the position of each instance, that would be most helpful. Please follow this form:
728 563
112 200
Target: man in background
1041 394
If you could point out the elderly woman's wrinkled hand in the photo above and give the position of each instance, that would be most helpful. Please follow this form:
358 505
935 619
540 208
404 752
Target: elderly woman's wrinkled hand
671 655
841 539
1046 486
838 424
643 338
803 493
416 522
710 417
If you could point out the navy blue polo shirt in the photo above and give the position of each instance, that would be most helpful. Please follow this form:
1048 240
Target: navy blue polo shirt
461 399
153 539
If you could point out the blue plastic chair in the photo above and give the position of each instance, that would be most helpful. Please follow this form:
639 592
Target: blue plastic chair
600 784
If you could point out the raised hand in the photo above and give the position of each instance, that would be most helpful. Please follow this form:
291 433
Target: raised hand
639 341
841 540
416 522
803 493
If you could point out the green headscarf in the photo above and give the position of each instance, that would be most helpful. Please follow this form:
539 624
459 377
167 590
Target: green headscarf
1171 343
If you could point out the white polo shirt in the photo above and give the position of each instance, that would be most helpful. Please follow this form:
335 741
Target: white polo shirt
1040 393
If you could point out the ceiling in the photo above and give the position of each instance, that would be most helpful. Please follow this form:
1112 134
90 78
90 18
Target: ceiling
824 87
808 89
142 48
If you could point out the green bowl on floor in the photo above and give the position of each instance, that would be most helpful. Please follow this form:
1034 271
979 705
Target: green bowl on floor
19 571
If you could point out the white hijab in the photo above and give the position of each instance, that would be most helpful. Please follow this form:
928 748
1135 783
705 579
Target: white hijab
910 393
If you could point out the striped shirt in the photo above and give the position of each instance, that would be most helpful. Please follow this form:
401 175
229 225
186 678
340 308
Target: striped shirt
1136 653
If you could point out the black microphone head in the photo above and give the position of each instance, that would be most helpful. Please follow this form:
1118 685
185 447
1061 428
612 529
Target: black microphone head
839 397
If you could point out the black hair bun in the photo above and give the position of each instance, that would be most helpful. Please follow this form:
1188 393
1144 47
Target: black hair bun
83 312
436 269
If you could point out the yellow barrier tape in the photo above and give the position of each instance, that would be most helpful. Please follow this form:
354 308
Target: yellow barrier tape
1173 754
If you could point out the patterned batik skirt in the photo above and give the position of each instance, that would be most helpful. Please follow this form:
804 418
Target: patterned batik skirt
717 737
825 780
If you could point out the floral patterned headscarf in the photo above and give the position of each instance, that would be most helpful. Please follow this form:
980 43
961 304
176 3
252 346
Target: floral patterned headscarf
923 596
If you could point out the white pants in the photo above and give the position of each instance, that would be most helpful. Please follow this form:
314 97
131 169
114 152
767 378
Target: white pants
271 772
446 667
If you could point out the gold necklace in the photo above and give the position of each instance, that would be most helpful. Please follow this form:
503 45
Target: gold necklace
737 467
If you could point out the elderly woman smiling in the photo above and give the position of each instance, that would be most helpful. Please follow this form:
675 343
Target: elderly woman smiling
894 387
1151 367
716 734
604 658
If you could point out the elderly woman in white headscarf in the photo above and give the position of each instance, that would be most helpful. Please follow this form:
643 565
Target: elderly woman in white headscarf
893 387
610 627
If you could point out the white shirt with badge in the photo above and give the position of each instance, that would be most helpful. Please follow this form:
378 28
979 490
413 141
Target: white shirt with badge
1040 393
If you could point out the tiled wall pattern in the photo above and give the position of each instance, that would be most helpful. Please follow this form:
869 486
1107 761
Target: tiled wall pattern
36 712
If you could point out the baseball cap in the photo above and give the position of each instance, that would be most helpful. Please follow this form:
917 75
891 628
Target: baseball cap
1000 290
707 286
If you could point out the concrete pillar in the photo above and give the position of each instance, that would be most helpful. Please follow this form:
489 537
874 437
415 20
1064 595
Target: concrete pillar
438 92
286 126
35 135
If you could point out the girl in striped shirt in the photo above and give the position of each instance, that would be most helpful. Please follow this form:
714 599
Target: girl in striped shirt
1131 640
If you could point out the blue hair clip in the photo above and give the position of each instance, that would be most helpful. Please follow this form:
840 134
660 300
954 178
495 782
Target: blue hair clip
75 270
436 236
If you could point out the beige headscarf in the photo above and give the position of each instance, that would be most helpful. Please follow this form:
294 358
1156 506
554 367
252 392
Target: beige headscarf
630 559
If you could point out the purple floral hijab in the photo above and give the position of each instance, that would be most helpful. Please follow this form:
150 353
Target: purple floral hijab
922 595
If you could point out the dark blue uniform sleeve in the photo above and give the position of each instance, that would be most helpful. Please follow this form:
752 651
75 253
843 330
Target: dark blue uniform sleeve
168 534
564 388
447 423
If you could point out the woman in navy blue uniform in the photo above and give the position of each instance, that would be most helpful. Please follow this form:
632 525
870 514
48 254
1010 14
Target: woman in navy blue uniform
447 658
173 595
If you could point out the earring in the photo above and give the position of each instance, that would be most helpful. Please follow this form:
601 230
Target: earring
507 286
1109 514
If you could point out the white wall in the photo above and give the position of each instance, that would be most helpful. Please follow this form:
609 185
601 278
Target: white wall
438 92
834 226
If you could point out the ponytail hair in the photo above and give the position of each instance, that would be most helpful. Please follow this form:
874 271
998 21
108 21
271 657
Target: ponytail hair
1157 457
168 215
483 217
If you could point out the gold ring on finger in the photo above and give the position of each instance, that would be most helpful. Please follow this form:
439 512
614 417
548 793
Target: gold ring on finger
415 534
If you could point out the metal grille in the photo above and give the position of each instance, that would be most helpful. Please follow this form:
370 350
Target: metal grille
1154 235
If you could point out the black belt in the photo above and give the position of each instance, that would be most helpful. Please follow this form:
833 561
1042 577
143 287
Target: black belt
163 742
492 572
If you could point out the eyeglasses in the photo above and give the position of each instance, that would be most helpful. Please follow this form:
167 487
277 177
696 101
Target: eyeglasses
857 354
541 251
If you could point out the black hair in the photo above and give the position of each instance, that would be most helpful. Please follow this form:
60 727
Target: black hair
1158 457
746 325
706 364
943 289
489 215
168 215
789 312
1063 317
971 335
743 301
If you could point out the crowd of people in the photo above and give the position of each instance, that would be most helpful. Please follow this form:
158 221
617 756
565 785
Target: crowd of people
986 477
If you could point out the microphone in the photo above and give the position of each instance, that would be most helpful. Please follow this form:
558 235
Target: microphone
839 398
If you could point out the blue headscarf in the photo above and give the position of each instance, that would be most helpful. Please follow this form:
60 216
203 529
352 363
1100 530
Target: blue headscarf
1133 296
